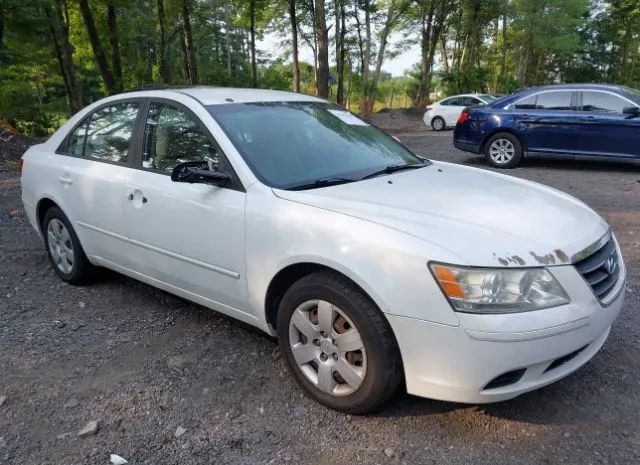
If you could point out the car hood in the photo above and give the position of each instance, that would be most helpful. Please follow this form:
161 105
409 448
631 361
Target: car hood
482 217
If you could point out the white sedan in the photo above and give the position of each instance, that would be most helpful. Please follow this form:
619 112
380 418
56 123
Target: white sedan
373 267
445 113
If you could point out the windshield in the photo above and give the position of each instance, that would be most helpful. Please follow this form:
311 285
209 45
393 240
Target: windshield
288 144
635 93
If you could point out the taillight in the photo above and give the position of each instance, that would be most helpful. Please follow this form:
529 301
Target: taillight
463 117
429 108
20 165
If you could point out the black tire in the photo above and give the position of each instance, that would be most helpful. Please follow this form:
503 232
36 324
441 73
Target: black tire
438 124
82 270
517 150
383 372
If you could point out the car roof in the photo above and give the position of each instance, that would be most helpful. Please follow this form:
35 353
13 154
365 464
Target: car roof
587 86
212 95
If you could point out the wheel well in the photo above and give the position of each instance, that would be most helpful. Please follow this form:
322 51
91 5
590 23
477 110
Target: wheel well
499 130
44 205
285 278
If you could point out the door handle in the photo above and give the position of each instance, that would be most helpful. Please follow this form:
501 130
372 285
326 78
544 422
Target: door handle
65 180
131 196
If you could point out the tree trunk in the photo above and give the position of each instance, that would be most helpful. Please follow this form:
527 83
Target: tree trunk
365 105
384 34
294 45
191 65
1 30
340 51
96 46
115 46
59 27
322 71
503 59
252 31
165 68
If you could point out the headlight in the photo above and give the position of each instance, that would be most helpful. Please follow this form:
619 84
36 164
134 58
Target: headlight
499 290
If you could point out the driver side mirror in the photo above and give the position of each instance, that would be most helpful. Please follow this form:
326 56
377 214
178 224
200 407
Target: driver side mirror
633 111
198 172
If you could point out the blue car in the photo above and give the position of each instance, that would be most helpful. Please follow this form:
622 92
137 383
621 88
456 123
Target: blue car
561 121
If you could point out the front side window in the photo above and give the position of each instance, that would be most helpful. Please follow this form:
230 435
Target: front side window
290 143
554 101
466 101
171 137
109 132
602 101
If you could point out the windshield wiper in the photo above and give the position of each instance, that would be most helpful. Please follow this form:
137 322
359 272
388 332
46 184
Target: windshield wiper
394 169
324 182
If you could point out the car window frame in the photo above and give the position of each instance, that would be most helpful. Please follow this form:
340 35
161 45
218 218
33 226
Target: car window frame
602 91
223 161
574 101
64 145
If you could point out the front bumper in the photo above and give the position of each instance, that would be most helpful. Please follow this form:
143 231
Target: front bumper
459 363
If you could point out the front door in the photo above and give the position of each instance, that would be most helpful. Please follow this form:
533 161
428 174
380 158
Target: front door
189 236
604 130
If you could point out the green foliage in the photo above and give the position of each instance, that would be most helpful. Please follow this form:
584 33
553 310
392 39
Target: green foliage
480 45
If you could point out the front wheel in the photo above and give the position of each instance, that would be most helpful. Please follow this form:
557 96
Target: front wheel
503 150
337 343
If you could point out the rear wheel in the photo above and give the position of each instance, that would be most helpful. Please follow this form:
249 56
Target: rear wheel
337 343
503 150
438 124
63 248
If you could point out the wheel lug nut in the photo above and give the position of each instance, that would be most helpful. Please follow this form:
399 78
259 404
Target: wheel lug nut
316 342
323 357
335 357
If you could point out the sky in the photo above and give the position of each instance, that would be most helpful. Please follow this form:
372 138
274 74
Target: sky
270 45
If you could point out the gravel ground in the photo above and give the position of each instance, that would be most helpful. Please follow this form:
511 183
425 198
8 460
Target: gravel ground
144 364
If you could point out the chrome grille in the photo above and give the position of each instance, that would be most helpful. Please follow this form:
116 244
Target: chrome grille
601 269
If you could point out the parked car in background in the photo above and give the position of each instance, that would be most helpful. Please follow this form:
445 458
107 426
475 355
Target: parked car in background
374 268
587 121
444 114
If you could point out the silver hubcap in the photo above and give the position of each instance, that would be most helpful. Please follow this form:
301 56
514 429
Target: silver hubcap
327 347
502 151
60 245
437 124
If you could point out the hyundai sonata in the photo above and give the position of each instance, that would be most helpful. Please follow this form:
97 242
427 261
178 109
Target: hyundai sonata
374 268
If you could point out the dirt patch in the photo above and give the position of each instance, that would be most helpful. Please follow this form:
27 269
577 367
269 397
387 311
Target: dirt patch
13 144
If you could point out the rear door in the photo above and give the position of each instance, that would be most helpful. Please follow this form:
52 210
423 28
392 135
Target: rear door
189 236
603 129
91 167
547 121
451 109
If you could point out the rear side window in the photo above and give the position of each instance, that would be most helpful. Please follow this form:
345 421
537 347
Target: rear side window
105 134
602 101
554 101
172 136
557 100
528 103
454 102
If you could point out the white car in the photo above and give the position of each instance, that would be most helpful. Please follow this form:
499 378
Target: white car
373 267
445 113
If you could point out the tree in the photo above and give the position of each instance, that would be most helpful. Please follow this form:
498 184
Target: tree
189 50
294 45
322 50
58 16
98 51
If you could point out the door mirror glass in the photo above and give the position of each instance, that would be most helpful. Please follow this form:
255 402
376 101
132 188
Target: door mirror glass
199 172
